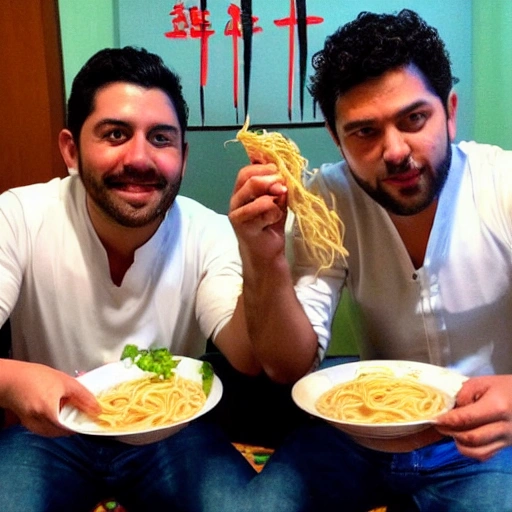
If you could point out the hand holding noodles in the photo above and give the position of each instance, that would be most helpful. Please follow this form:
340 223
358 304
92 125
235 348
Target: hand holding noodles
321 228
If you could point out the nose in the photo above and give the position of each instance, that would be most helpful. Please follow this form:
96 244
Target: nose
137 152
395 148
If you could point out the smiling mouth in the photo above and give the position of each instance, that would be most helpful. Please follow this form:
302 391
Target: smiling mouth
132 181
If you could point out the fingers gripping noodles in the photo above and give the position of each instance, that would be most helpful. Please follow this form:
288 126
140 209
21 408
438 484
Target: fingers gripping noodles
322 229
147 402
381 398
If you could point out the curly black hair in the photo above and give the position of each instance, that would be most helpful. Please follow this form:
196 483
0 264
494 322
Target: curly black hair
128 64
369 46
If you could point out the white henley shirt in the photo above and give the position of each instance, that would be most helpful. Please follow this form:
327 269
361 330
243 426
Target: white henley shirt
456 310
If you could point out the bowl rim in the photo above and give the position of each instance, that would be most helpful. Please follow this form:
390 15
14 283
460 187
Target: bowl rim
345 372
121 371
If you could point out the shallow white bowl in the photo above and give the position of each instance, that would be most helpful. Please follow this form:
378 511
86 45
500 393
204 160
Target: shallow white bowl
307 390
111 374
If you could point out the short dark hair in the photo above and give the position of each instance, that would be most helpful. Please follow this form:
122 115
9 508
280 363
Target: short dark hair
369 46
128 64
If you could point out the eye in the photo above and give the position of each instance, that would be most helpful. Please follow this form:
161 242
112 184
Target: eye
160 139
366 132
115 135
413 122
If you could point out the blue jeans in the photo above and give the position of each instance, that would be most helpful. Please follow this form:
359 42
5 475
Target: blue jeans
196 470
320 469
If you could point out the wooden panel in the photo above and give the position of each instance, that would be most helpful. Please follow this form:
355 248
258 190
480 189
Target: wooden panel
31 92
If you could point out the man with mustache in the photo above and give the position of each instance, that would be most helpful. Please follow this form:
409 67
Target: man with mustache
108 256
429 235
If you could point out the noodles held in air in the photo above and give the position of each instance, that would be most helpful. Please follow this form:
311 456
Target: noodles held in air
375 398
149 402
321 228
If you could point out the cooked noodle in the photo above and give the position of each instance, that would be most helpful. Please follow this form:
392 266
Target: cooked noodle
321 228
381 398
145 403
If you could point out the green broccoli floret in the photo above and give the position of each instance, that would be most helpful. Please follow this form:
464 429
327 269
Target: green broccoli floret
130 351
162 363
156 360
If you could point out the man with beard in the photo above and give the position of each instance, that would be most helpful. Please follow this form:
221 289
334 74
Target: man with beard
428 231
107 256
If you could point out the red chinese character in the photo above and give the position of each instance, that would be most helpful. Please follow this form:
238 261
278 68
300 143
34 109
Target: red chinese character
197 26
200 24
201 29
179 23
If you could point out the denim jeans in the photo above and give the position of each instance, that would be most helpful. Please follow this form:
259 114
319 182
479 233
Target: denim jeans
320 469
194 470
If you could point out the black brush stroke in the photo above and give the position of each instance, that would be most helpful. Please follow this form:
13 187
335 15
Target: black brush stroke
247 31
302 33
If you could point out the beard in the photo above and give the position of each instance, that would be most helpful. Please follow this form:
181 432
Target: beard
124 213
404 205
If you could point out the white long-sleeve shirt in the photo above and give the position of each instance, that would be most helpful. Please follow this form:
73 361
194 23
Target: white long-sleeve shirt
456 310
65 310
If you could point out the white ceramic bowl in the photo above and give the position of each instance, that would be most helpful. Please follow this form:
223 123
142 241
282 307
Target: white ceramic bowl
111 374
307 390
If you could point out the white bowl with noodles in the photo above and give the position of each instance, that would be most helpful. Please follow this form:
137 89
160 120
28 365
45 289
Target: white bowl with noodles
109 375
308 390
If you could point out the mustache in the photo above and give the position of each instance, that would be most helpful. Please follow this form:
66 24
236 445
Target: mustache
407 165
129 175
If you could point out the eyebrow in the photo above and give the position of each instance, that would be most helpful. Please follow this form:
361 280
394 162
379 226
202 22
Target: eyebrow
118 122
361 123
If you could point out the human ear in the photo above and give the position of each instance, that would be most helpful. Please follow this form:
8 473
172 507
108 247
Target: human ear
452 115
68 149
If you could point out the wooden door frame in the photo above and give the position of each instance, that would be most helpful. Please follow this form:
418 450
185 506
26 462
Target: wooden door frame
32 106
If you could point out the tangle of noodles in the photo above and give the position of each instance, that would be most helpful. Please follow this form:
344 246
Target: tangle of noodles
321 228
148 402
381 398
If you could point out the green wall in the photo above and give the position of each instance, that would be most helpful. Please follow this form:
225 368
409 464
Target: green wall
85 27
492 60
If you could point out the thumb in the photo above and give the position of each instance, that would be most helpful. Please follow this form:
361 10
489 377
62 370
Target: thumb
81 398
471 391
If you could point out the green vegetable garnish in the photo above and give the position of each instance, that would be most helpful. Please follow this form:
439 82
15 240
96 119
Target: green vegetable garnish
207 373
161 362
156 360
130 351
261 458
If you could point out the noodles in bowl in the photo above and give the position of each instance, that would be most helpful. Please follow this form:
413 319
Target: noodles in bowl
379 399
139 408
148 402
